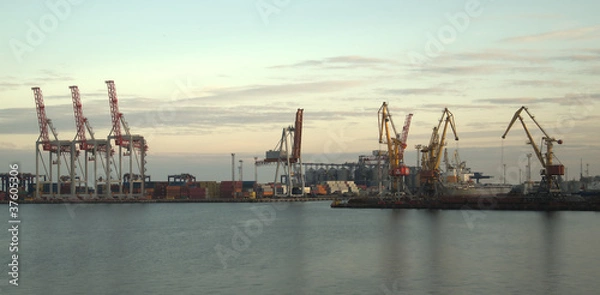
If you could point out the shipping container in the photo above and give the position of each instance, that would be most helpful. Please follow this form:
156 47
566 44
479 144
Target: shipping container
173 192
230 189
197 193
556 170
46 188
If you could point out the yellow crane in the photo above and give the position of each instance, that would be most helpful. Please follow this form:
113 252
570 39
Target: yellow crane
550 172
432 154
396 145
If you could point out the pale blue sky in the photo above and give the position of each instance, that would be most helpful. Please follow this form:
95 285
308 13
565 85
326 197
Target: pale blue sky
230 81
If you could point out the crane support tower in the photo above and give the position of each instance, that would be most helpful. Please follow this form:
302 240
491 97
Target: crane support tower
95 150
290 161
549 186
129 145
58 153
396 144
431 155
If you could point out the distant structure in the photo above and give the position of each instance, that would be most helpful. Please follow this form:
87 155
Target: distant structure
55 157
51 155
292 176
550 184
132 146
95 150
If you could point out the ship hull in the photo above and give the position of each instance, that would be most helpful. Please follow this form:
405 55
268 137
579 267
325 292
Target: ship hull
476 191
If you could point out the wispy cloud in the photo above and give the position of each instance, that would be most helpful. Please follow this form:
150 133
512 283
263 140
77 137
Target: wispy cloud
48 75
485 69
10 85
498 55
569 99
437 107
278 90
510 101
340 62
420 91
591 32
539 83
594 71
579 57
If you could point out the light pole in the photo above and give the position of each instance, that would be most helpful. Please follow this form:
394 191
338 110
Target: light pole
241 169
418 148
232 166
255 169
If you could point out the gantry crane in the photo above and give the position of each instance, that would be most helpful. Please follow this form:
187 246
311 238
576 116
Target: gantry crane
432 155
396 144
549 186
132 146
94 149
291 162
60 148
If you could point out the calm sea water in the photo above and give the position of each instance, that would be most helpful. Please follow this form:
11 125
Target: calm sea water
300 248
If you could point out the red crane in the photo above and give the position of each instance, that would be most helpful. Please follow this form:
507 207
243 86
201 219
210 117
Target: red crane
42 120
80 120
117 117
297 136
118 120
46 124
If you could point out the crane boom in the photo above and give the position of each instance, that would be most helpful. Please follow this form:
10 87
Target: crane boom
46 124
296 149
117 117
80 120
396 144
42 119
432 154
448 121
386 126
550 170
404 136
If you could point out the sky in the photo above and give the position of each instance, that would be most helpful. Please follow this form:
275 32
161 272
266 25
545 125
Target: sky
203 79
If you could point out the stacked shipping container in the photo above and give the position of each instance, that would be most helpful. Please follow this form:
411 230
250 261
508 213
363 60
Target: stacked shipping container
230 189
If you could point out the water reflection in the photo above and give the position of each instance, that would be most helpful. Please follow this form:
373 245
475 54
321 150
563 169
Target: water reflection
552 244
394 253
297 256
435 244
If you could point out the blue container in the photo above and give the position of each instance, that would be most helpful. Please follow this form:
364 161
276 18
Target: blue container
46 188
